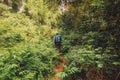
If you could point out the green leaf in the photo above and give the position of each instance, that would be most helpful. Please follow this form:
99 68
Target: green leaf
100 65
116 63
61 75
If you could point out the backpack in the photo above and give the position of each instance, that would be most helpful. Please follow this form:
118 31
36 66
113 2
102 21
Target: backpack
57 38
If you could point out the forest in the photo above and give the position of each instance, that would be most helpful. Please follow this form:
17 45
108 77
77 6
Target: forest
90 32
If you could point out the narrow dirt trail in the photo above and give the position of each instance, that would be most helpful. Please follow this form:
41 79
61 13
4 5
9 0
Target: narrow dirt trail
59 68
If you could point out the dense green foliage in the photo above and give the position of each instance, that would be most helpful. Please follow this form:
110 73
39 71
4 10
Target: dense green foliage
90 32
26 49
94 32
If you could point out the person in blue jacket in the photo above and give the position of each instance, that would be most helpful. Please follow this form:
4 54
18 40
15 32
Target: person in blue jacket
57 41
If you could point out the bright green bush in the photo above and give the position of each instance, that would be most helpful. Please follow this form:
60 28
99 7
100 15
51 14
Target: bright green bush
26 49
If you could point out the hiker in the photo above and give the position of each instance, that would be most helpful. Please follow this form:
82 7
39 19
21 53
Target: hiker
57 41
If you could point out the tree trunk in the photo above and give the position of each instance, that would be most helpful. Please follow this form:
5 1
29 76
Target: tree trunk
8 2
21 6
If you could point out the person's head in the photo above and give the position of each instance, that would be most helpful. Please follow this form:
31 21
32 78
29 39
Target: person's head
56 33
